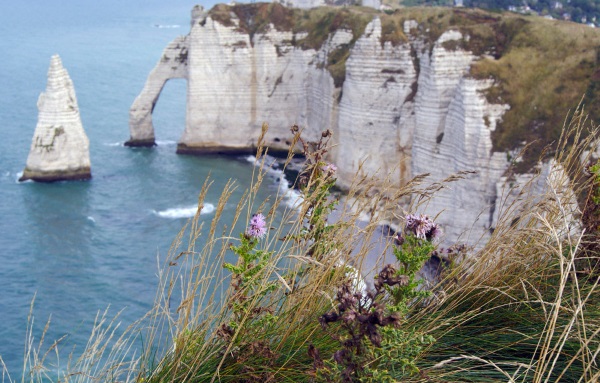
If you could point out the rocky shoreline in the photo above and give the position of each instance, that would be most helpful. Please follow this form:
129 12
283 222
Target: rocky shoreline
53 176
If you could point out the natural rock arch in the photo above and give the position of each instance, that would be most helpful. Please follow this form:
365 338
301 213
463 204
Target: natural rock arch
172 64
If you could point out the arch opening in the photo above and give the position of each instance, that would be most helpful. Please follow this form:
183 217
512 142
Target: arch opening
169 112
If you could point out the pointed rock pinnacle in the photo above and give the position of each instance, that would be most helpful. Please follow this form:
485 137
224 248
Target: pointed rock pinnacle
60 149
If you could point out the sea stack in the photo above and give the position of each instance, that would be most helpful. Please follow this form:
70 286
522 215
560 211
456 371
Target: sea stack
60 149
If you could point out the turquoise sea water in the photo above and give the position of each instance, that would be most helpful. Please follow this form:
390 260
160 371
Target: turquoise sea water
82 246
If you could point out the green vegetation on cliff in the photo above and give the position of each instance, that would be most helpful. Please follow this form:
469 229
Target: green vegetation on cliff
545 68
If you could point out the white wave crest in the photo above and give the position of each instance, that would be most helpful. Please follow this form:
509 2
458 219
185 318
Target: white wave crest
269 161
292 198
90 218
184 212
114 144
167 26
18 176
165 142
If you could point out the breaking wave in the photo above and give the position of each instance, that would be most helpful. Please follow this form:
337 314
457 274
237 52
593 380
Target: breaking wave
184 212
292 198
165 142
18 176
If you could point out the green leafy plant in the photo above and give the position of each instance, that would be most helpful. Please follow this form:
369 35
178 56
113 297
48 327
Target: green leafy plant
591 221
368 325
316 182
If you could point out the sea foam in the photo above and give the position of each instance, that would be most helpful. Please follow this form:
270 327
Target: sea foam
184 212
165 142
18 177
292 198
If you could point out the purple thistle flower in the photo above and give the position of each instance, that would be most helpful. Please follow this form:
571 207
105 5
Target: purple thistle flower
257 227
422 227
399 239
411 221
434 232
329 169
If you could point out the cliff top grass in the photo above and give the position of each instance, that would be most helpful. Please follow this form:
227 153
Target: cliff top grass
540 67
318 23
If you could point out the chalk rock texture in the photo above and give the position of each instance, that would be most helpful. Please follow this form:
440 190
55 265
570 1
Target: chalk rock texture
59 148
376 111
453 126
398 110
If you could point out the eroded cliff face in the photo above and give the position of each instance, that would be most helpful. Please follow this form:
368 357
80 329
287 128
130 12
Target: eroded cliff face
236 82
60 147
401 109
453 126
376 112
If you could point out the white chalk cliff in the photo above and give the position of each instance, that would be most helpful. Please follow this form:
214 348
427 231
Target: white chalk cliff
401 110
60 147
